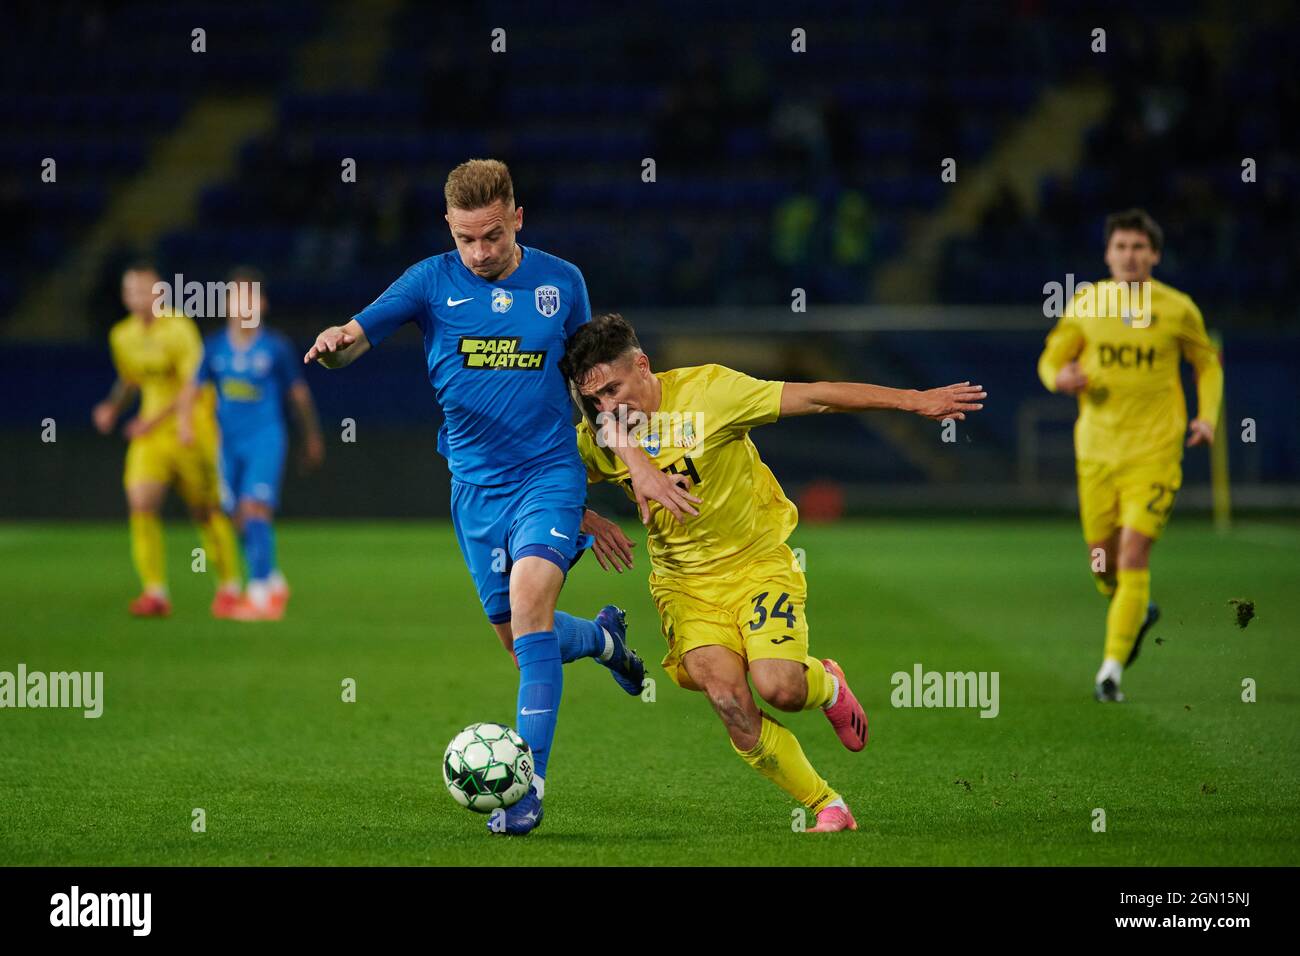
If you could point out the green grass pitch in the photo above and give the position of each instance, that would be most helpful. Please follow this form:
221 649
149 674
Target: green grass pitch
247 722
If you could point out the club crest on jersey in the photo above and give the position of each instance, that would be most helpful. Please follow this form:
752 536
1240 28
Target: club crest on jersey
651 444
502 300
548 299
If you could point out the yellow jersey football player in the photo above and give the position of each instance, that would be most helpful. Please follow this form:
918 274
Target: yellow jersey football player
156 356
1117 348
730 592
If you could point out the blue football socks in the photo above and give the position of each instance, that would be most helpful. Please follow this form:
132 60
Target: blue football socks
579 637
259 548
541 681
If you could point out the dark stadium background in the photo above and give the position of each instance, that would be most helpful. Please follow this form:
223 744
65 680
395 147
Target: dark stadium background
774 170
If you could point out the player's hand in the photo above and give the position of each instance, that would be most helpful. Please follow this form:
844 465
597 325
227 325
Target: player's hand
313 453
612 548
951 401
1071 380
332 340
137 427
104 416
185 432
651 484
1200 432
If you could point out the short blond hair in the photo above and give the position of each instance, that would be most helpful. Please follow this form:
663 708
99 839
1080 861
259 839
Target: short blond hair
478 183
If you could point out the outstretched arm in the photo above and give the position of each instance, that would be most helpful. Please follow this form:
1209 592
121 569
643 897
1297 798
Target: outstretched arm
339 345
812 398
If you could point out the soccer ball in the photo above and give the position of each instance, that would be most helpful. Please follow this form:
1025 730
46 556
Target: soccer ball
487 767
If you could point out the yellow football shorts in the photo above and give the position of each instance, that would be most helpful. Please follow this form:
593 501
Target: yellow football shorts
158 456
757 612
1140 497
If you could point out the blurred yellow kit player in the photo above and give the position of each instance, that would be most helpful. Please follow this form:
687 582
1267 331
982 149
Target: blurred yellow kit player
156 355
1117 348
730 593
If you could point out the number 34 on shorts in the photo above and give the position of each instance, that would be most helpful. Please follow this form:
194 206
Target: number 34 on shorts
772 621
769 612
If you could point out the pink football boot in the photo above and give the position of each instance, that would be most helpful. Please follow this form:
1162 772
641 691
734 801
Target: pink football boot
834 818
846 714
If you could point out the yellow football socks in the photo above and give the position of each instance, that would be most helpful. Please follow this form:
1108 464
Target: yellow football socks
218 536
1128 609
779 758
147 550
1105 584
820 684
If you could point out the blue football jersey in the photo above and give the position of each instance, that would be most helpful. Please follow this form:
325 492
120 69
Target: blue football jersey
251 382
493 352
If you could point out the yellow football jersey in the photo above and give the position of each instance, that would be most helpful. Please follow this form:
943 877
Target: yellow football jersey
1133 408
702 429
160 357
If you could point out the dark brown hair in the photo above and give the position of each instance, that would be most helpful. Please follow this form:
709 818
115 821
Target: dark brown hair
1139 221
606 338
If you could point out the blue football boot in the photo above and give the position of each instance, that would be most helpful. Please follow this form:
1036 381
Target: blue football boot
522 818
624 663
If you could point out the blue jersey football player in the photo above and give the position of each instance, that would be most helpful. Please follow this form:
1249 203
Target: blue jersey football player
495 316
255 373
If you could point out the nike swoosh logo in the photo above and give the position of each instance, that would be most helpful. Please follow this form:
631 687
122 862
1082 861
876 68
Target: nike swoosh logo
528 713
455 302
558 535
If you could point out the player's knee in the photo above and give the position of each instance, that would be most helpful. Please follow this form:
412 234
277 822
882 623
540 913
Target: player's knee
785 695
783 687
250 510
1135 551
534 588
531 620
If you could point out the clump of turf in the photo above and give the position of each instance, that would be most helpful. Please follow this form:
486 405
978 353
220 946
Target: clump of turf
1245 611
